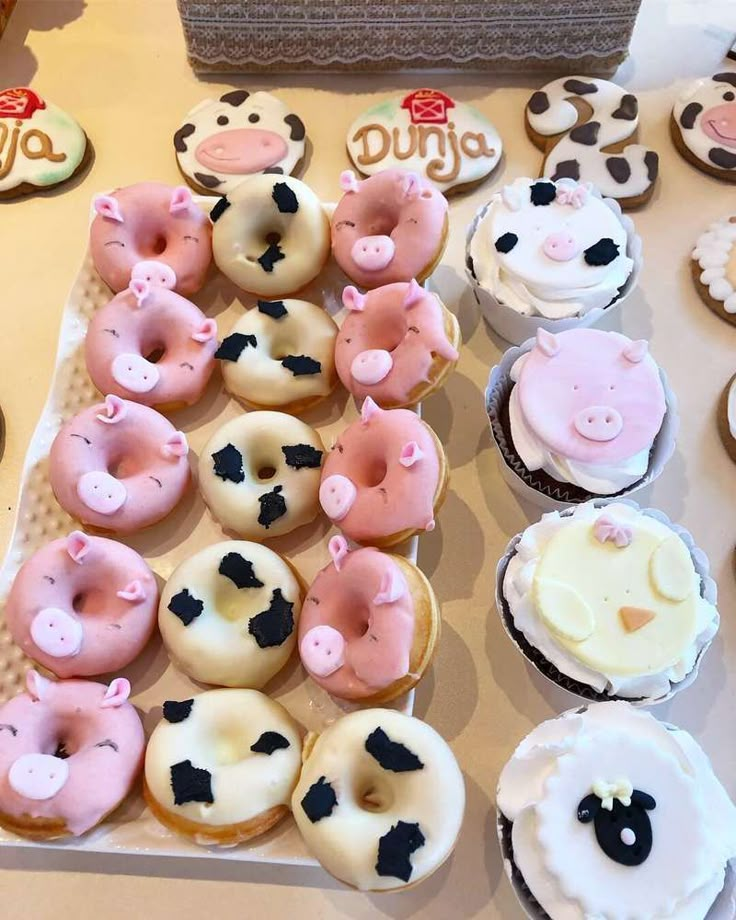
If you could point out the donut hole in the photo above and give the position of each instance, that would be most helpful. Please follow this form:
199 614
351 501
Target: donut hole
373 793
61 751
155 355
88 601
158 245
266 472
273 238
374 471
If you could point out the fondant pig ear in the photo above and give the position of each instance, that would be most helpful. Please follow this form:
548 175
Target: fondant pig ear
392 587
77 545
176 445
414 293
107 206
349 181
116 694
140 289
412 185
133 592
207 331
115 410
410 454
547 343
636 351
181 198
338 549
38 687
353 299
511 197
368 410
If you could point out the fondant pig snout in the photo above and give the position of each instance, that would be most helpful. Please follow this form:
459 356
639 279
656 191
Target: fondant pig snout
337 495
371 366
135 373
599 423
101 492
561 246
155 273
56 633
373 253
38 776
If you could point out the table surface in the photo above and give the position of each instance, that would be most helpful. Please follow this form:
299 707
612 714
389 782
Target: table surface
119 66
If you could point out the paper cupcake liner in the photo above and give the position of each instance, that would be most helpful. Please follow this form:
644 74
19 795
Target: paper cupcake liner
708 591
536 486
516 328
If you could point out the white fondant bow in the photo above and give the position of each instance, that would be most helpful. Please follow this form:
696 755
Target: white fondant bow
620 789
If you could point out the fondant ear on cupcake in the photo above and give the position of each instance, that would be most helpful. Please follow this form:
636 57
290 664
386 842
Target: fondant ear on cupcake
181 198
636 351
114 410
77 545
116 694
548 343
38 687
338 549
349 181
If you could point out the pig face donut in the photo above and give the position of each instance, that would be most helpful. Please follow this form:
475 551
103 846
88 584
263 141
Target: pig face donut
703 125
82 606
69 754
369 625
228 614
220 768
397 344
143 322
151 232
259 474
280 355
223 142
714 268
118 466
387 228
385 478
271 235
380 800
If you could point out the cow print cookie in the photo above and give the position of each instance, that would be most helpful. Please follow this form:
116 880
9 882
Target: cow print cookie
229 613
223 141
40 145
583 126
714 267
595 807
259 474
380 799
221 767
447 142
703 125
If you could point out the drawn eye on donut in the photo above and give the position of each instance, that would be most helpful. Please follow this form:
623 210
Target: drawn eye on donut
157 481
113 332
187 364
10 728
115 243
344 223
414 329
81 437
49 579
108 742
412 220
194 239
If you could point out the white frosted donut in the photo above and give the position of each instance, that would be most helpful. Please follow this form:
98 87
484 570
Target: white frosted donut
280 355
380 799
228 614
220 768
259 474
271 235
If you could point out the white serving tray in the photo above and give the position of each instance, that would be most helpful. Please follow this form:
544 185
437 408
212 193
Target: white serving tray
131 829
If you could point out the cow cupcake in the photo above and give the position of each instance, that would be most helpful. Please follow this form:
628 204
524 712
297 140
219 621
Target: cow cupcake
609 602
549 254
580 414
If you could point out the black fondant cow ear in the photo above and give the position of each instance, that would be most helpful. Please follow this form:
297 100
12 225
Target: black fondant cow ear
542 193
319 801
588 808
275 625
296 126
186 606
273 308
391 755
506 242
301 365
219 208
269 742
273 506
233 345
643 800
177 711
727 77
689 114
228 464
601 253
302 456
285 199
180 144
239 570
190 783
235 97
395 849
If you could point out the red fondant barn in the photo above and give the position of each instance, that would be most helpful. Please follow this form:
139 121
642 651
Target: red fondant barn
427 106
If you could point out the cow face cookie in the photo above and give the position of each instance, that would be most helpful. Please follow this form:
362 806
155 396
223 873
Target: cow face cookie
727 418
241 134
714 267
40 145
446 141
703 125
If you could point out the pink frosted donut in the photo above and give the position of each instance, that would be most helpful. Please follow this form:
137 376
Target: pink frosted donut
385 477
118 466
82 606
124 334
396 345
69 754
154 232
389 227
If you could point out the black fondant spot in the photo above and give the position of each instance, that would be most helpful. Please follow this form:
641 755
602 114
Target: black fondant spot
609 824
579 87
177 711
269 742
302 456
285 198
722 158
273 506
319 801
235 97
186 606
395 849
391 755
219 209
231 347
208 181
273 171
180 137
628 108
506 242
567 169
601 253
729 96
538 103
254 118
273 308
586 134
273 626
296 126
228 464
542 193
470 265
690 113
270 257
191 784
619 169
651 161
223 120
239 570
301 365
727 77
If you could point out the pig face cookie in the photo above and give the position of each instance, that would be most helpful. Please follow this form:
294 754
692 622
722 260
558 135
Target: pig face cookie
714 268
607 602
445 141
40 145
703 125
223 142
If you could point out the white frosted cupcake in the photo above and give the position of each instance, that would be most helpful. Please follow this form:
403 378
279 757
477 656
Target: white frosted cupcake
607 813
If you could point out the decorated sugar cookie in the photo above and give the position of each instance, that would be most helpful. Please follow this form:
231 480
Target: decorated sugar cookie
714 267
445 141
703 125
592 146
223 141
727 418
40 145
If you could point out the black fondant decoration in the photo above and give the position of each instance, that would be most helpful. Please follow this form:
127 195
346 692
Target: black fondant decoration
186 606
542 193
567 169
506 242
722 158
273 308
579 87
270 257
223 120
6 726
254 118
209 181
273 506
628 108
689 114
273 171
180 144
651 161
296 125
235 97
221 206
190 783
177 711
231 347
319 801
286 200
619 169
538 103
275 625
302 456
610 824
391 755
395 849
269 742
301 365
601 253
228 464
586 134
239 570
727 77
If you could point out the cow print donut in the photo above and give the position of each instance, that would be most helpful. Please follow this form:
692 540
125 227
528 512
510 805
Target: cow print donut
704 125
221 767
228 614
380 800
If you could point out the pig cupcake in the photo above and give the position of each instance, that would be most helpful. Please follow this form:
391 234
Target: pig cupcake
551 255
609 601
580 414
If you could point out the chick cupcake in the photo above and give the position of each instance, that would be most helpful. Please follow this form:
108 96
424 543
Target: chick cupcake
606 812
609 601
550 254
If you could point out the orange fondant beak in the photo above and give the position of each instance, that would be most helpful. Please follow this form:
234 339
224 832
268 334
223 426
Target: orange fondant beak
633 618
